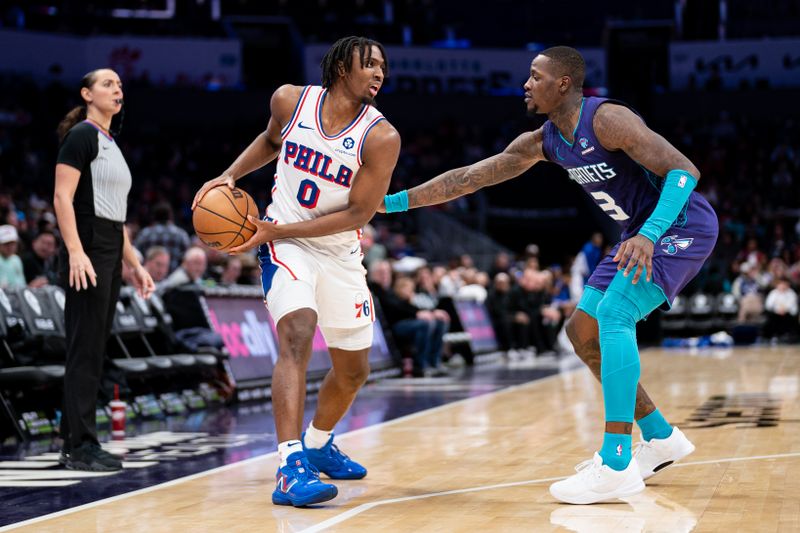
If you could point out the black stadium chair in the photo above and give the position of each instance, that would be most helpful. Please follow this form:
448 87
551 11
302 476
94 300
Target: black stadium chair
727 307
701 313
157 332
674 322
22 384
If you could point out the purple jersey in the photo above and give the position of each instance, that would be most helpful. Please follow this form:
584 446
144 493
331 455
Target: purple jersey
620 186
628 193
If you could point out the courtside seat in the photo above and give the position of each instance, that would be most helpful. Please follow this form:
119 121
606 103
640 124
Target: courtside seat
701 313
727 311
131 366
17 377
41 338
182 360
207 359
158 362
154 335
675 321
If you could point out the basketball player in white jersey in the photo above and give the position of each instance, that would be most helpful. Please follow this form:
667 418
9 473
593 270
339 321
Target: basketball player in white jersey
335 156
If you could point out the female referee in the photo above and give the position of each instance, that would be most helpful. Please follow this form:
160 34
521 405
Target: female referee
91 200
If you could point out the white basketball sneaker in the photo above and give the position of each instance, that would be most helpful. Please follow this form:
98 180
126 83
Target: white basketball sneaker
596 482
656 454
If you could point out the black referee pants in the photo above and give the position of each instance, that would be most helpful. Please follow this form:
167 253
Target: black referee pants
88 317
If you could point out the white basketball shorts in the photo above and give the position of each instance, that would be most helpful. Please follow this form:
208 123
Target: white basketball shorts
295 277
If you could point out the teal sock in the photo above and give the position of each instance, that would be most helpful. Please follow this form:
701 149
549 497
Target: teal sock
616 450
654 426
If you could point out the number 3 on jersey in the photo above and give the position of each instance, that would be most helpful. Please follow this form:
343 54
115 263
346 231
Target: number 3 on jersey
308 194
607 204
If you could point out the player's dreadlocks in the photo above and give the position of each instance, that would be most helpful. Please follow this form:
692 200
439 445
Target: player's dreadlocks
342 50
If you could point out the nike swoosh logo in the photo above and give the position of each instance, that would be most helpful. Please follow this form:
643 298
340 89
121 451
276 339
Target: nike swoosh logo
304 127
558 152
105 147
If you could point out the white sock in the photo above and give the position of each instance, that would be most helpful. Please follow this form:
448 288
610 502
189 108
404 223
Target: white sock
287 448
316 438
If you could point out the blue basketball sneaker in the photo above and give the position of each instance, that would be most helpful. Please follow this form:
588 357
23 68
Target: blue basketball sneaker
299 484
331 461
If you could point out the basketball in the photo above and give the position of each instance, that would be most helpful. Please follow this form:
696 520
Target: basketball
220 218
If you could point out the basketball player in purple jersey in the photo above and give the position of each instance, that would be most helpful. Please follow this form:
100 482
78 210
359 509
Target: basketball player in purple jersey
668 231
335 156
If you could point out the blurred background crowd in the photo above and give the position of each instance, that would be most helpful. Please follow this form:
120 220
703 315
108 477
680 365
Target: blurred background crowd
544 244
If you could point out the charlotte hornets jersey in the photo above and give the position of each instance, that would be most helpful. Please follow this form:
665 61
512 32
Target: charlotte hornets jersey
315 171
625 190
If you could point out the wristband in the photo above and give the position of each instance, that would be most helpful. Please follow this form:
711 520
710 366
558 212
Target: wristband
397 202
678 185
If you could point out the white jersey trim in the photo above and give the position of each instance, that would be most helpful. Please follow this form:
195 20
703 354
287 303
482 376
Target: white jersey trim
347 129
296 113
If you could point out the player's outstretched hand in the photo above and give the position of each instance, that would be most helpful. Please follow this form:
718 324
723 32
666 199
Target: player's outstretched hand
265 232
225 179
636 254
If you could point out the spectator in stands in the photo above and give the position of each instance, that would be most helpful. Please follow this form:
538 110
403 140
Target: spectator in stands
164 232
501 263
427 296
156 262
531 298
746 289
231 271
751 253
428 352
474 285
584 264
411 326
372 250
782 311
12 274
448 281
190 272
510 327
39 262
180 294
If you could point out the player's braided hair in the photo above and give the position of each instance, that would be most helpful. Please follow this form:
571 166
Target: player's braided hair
571 63
342 50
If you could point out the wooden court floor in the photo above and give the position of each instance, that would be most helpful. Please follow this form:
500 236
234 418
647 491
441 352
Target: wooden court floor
485 463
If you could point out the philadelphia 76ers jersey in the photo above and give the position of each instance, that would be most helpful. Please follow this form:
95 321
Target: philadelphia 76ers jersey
625 190
316 170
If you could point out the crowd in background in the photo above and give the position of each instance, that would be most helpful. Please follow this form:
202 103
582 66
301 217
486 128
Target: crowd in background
749 174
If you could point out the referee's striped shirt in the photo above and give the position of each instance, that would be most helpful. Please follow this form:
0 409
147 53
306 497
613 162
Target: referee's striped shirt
105 177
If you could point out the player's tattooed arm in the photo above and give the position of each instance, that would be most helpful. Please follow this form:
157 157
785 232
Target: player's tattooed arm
519 156
619 128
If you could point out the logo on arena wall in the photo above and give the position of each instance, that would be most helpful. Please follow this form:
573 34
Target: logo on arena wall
673 243
244 334
348 143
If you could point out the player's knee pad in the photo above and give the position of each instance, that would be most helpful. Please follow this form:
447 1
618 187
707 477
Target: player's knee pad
349 339
616 317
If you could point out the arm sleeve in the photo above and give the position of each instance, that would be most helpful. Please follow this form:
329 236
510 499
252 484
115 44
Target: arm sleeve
79 147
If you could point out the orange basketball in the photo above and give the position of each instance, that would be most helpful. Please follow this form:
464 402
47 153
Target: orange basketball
220 218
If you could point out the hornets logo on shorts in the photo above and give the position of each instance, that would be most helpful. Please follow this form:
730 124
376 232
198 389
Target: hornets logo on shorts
673 243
